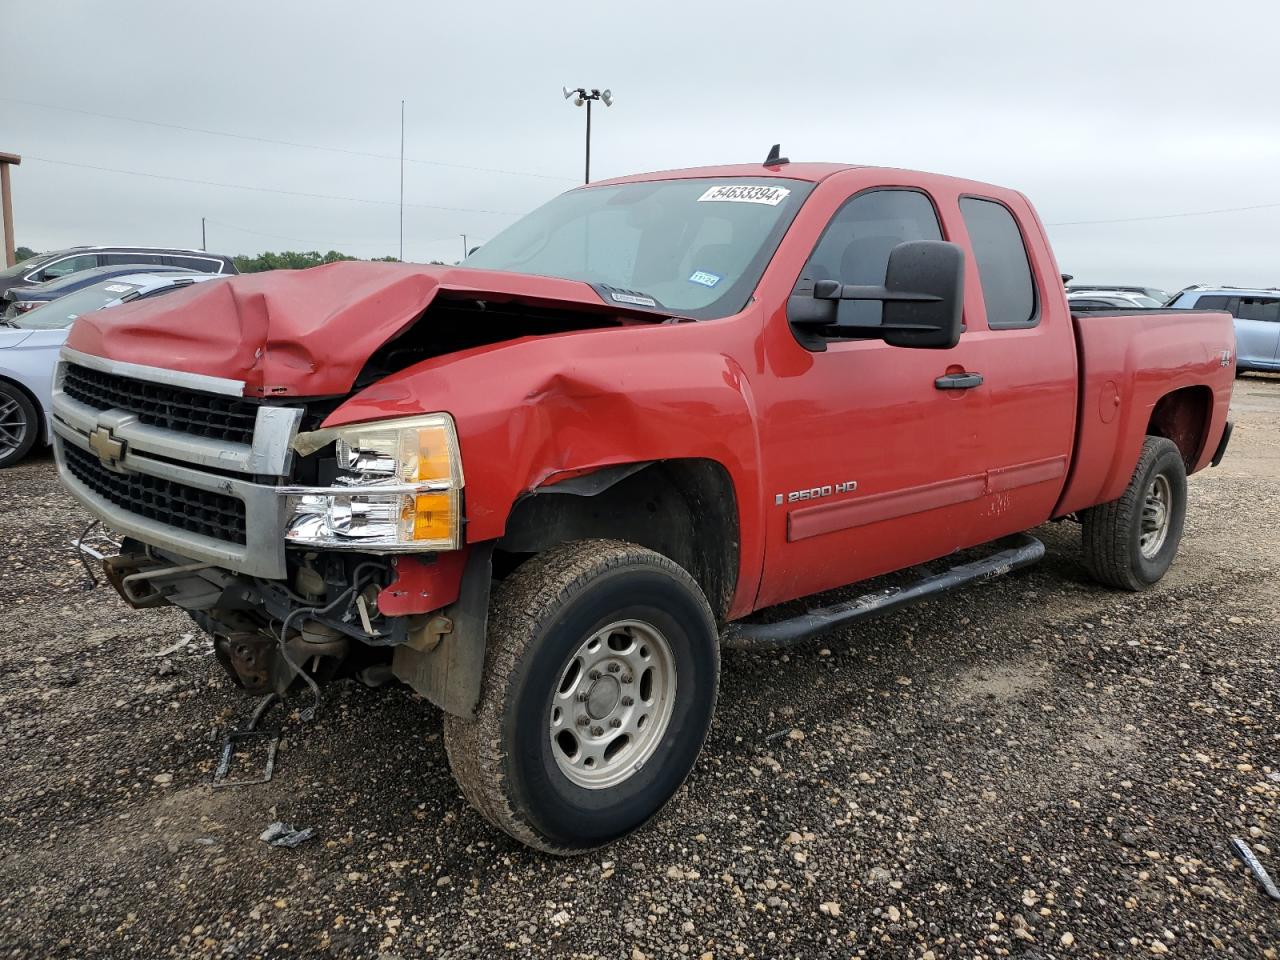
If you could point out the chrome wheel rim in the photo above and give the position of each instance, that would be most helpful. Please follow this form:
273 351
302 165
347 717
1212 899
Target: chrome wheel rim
1156 513
13 426
612 704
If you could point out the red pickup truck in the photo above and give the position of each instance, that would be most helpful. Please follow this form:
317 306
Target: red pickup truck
545 487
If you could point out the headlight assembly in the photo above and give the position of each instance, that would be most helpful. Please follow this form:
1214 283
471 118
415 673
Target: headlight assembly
398 487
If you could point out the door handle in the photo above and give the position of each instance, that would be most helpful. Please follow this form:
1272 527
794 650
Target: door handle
958 381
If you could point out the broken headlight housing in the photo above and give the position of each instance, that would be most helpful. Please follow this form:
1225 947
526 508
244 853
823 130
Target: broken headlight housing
398 487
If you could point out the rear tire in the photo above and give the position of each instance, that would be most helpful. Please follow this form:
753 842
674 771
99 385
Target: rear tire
1130 542
19 425
601 670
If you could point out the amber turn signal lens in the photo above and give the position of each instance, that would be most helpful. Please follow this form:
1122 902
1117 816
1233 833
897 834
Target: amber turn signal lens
432 516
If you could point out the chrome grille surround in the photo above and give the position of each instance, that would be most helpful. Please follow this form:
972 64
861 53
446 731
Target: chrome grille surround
206 472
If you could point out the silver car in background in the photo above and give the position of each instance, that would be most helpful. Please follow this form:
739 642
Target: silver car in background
29 347
1086 301
1257 313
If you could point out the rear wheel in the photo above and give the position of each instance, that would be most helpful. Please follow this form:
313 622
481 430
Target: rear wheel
19 425
602 666
1130 542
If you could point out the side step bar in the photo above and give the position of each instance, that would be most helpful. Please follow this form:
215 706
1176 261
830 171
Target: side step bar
1022 551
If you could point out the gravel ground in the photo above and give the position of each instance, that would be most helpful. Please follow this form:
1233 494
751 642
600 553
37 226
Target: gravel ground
1033 768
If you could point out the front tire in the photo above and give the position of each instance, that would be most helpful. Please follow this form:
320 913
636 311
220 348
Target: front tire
601 671
1130 542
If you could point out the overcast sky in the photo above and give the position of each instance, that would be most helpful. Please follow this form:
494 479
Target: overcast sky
1097 110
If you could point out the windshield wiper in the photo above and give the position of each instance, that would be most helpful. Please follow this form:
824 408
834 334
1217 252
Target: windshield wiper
7 322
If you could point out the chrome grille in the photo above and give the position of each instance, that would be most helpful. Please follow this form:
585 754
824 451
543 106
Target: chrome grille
192 412
202 512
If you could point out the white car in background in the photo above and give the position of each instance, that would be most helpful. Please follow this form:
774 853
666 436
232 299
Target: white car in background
1085 301
29 346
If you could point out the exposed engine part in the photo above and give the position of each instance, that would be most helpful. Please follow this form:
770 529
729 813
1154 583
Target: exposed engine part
252 661
324 622
318 640
427 637
308 582
375 675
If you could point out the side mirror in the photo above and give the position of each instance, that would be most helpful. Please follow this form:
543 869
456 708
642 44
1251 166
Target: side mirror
923 297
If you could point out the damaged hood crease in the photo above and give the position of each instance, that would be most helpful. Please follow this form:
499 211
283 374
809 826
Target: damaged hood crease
308 332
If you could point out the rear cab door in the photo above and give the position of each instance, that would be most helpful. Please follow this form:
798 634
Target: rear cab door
1023 331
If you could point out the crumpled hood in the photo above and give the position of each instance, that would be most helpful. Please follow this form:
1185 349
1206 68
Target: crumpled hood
300 332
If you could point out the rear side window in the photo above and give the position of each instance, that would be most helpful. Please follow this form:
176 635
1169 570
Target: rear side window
1003 264
1259 308
855 246
198 264
128 259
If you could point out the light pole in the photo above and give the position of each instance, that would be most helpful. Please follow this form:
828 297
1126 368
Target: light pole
582 95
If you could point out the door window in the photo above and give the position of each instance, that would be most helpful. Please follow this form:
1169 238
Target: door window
198 264
1259 308
855 246
1003 265
130 259
62 268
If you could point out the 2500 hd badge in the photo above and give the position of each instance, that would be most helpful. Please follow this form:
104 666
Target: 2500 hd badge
813 493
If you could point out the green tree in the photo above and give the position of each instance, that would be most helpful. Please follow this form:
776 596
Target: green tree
295 260
24 253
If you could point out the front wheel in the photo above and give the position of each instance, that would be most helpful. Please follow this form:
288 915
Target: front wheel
601 671
1130 542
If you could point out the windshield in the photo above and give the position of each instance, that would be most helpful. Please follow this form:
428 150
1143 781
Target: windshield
63 312
27 265
695 247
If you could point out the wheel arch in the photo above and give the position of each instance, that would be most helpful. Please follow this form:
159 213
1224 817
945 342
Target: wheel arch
684 509
1184 416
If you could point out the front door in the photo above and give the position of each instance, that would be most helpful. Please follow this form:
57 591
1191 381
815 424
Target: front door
872 464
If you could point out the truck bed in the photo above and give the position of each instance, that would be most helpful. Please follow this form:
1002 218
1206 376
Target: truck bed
1144 371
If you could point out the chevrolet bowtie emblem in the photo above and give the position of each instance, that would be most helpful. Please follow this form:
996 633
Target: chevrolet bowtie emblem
107 447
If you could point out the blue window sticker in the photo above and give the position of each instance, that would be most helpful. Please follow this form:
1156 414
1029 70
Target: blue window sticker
704 278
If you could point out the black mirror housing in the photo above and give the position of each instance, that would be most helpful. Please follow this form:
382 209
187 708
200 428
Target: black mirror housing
934 268
923 296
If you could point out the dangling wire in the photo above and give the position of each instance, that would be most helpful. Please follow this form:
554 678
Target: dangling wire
310 712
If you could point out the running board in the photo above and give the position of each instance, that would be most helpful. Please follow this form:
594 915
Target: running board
1023 551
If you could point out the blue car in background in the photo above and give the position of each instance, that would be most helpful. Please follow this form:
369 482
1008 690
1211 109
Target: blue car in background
30 343
1257 313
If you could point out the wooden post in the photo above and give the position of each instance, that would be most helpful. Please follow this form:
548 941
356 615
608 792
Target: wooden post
6 206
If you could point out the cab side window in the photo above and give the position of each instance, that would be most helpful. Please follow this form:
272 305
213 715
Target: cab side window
1003 265
855 246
